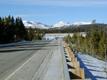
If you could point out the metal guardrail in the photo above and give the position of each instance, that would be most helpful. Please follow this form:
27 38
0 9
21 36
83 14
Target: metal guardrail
76 72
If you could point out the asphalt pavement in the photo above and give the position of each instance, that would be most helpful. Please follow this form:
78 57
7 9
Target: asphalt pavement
35 60
12 57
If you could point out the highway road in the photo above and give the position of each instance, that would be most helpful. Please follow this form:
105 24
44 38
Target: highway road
36 60
9 61
18 54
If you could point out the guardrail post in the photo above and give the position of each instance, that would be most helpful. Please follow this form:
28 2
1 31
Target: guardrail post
76 70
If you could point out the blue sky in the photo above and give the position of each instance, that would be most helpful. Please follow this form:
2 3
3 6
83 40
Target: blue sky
52 11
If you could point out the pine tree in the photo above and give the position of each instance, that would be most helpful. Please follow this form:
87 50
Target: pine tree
11 27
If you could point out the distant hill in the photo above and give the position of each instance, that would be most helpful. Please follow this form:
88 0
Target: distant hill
33 24
65 27
77 28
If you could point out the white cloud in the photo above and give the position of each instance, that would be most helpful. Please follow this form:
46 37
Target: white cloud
65 3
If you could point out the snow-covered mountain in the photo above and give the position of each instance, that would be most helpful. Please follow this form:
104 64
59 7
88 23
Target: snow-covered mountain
61 24
33 24
81 23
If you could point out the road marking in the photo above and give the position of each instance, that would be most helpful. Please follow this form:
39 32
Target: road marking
18 69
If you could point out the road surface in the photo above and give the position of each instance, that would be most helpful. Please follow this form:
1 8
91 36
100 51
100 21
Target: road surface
32 61
11 60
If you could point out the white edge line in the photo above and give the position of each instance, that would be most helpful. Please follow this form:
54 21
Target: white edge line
18 69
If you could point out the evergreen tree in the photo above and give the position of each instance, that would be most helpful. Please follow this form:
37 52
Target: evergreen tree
11 27
95 42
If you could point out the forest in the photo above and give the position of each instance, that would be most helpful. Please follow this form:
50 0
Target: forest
94 43
13 30
76 28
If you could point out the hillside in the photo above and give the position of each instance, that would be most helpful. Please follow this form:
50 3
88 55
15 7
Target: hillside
76 28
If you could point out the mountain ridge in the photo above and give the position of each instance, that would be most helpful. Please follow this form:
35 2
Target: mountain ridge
58 25
33 24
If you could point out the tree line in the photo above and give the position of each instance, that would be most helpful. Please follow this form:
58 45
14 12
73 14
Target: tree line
94 43
75 28
35 33
12 30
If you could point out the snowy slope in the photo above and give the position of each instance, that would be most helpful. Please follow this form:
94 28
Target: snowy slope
81 23
33 24
67 24
61 24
